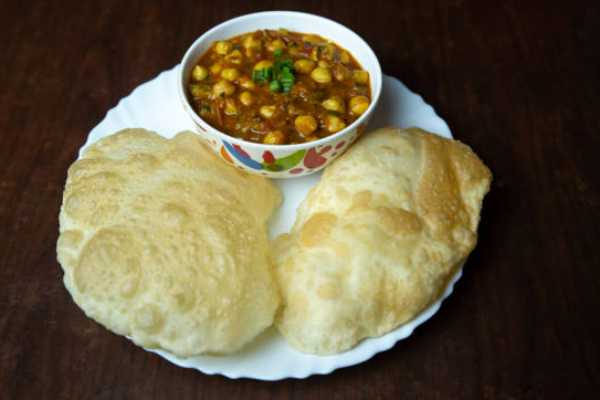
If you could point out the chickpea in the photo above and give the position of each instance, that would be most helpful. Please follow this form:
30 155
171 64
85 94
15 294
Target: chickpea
230 107
344 57
314 54
311 138
275 45
323 64
223 88
312 39
335 123
246 98
305 124
247 83
195 90
263 64
294 51
235 57
274 137
304 66
334 103
267 111
360 76
216 68
359 104
341 73
199 73
250 42
199 91
222 47
230 74
328 52
321 75
309 38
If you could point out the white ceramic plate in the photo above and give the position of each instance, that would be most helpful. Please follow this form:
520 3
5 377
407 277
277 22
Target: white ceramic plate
154 105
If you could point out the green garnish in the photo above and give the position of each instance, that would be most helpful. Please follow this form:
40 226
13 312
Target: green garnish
262 75
280 76
287 79
274 86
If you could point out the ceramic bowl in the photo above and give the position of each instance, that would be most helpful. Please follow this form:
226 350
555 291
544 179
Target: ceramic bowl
281 161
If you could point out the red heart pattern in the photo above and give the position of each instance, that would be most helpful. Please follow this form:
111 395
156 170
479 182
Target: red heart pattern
314 159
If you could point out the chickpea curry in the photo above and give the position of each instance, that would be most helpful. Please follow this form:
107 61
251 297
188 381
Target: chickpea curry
279 87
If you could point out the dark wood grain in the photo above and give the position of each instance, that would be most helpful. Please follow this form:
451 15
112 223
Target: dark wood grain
519 82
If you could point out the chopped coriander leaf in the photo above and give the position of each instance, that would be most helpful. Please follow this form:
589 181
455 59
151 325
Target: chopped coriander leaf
274 86
262 75
280 76
279 65
287 79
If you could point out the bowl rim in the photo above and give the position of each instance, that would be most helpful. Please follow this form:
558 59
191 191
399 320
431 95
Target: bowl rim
375 91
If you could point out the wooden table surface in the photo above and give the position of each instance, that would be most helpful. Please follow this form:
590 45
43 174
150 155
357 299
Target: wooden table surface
518 82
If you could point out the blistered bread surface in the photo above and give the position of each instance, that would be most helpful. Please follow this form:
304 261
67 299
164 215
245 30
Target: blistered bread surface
378 238
162 242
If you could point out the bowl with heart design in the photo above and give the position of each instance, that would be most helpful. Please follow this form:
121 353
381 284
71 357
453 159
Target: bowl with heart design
281 160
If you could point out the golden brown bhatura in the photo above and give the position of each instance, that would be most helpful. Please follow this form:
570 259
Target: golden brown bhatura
378 238
162 242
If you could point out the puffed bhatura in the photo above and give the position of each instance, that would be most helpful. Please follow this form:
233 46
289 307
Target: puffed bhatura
378 238
162 242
